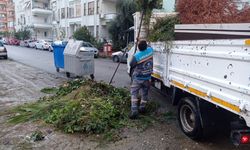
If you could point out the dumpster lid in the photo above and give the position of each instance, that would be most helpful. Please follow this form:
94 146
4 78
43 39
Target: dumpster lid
73 47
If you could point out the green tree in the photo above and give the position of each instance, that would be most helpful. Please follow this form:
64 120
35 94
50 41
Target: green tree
22 34
123 21
25 34
83 34
146 7
18 35
5 34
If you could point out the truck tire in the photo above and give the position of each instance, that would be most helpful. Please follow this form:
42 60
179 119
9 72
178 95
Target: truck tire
189 118
116 59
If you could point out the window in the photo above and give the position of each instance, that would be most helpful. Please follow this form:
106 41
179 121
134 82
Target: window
46 6
84 13
97 7
59 14
45 34
85 44
45 20
71 12
78 10
91 8
63 13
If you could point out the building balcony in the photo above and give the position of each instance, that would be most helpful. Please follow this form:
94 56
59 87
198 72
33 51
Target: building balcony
10 9
3 11
3 29
3 2
11 28
11 19
42 10
108 17
113 1
42 26
4 20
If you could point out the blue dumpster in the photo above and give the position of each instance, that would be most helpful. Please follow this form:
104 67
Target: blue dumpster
58 50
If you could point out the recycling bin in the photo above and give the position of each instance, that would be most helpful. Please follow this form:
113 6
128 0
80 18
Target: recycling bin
58 50
77 60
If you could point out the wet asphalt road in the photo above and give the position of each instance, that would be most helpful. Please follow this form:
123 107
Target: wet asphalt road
44 60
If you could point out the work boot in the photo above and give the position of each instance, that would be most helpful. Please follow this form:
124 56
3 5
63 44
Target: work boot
133 115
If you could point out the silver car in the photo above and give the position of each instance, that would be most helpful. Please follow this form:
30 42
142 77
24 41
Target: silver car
86 46
3 51
120 56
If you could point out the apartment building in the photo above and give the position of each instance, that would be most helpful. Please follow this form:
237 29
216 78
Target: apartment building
7 16
69 15
36 15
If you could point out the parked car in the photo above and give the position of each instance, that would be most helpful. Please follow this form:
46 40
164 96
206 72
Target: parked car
31 43
3 51
50 45
120 56
43 44
13 41
4 40
86 46
24 43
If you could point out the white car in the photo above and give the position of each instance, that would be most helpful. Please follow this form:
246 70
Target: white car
31 43
120 56
131 53
3 51
4 41
86 46
43 44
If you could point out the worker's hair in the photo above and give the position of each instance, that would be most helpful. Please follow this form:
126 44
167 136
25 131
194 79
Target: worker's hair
142 45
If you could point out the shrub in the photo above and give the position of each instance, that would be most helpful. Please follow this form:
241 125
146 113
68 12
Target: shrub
84 34
163 29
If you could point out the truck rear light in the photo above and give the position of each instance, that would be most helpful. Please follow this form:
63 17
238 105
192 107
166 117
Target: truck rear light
240 137
245 139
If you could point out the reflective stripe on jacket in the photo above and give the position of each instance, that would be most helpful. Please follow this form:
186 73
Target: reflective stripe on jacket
142 64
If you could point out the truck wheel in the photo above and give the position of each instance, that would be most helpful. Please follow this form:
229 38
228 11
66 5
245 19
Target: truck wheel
116 59
189 118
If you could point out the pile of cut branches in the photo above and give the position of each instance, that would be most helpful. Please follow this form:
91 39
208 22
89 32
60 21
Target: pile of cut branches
83 106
